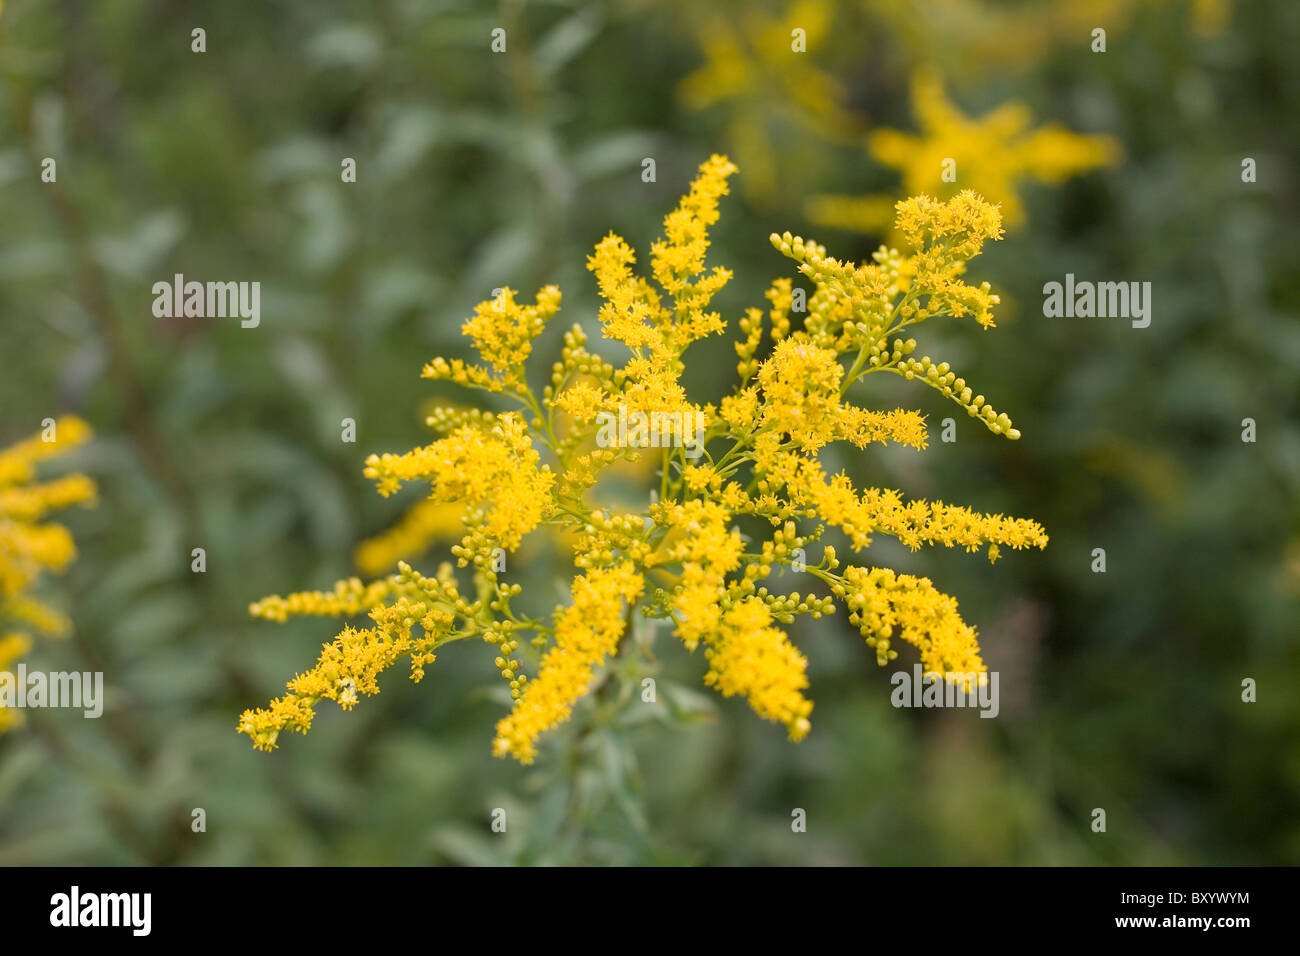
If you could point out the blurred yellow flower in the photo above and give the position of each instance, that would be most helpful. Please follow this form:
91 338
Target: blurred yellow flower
586 633
30 546
993 156
754 71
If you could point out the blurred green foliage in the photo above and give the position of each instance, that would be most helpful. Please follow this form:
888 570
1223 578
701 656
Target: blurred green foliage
476 170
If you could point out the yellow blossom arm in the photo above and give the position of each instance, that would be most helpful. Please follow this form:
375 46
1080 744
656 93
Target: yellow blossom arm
883 604
350 665
751 658
586 633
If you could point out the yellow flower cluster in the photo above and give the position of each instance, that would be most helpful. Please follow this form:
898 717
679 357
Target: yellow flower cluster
882 603
693 551
29 545
757 661
706 550
494 470
503 331
426 522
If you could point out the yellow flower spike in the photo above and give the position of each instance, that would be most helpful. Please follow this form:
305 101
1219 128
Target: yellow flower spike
585 634
348 598
679 256
883 604
471 466
348 666
503 331
679 555
699 539
756 661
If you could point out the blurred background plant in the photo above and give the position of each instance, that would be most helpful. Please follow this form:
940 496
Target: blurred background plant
478 170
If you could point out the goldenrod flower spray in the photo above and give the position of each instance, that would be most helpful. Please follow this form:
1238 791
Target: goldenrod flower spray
680 557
